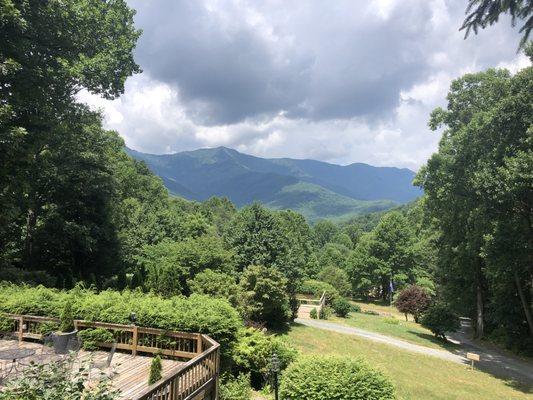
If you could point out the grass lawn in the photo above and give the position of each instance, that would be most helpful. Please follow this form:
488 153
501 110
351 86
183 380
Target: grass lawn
415 376
407 330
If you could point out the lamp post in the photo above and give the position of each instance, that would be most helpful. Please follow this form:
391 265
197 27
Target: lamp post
274 368
133 318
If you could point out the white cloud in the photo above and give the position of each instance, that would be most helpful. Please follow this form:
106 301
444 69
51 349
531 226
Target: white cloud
340 81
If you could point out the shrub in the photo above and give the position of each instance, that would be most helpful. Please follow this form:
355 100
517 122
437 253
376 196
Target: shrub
337 278
215 284
91 337
253 352
156 367
413 300
370 312
319 378
6 324
48 327
313 313
355 307
316 288
19 276
197 313
56 381
324 313
440 319
265 297
341 307
235 388
66 318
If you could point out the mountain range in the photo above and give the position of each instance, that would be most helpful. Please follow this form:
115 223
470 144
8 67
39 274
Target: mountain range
314 188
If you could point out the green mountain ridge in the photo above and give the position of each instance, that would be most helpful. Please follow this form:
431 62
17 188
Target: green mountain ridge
314 188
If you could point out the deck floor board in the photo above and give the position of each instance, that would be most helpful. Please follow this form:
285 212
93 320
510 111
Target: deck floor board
128 374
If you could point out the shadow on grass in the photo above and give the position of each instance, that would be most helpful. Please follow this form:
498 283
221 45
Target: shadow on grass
446 345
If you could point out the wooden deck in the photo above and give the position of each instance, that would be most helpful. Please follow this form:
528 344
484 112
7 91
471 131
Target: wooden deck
129 373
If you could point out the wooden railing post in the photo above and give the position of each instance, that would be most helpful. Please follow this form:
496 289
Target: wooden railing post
134 340
21 328
199 344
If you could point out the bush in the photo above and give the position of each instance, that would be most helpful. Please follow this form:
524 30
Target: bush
156 368
341 307
215 284
355 307
313 314
6 324
91 337
337 278
319 378
265 297
235 388
66 318
316 288
325 312
413 300
197 313
19 276
47 328
440 319
253 352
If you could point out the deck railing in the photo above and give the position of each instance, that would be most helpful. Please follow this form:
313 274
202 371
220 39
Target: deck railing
185 382
320 303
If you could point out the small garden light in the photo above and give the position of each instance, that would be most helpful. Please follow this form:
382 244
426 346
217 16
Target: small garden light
133 318
275 368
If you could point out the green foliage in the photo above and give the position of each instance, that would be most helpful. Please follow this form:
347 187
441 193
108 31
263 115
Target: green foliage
480 177
325 312
197 313
440 319
313 313
156 369
264 295
337 278
341 307
48 327
254 349
355 308
66 318
7 324
235 388
413 300
216 284
91 337
19 276
317 288
320 378
56 381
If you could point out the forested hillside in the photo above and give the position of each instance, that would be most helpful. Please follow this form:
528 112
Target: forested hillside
315 189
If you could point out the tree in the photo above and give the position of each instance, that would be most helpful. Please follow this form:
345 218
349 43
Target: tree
412 300
482 177
440 319
257 237
481 13
215 284
324 231
265 297
50 51
338 278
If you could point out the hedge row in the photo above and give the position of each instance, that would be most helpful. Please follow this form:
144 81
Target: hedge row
197 313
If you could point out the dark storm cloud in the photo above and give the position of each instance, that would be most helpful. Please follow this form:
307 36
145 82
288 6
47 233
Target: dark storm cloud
305 59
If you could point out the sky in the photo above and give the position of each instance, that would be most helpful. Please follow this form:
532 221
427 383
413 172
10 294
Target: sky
337 81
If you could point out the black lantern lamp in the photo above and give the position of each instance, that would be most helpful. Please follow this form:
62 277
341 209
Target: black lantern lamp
274 369
133 318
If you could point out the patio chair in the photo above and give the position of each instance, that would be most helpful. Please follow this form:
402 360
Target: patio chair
105 366
45 354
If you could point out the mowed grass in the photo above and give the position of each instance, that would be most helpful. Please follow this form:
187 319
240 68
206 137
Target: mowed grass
409 331
415 376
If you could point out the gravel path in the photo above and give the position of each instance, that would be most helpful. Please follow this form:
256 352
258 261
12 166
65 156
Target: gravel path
492 360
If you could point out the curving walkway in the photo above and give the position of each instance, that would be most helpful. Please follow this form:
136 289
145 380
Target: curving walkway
493 361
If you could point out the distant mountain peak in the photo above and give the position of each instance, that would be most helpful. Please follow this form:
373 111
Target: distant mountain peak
315 188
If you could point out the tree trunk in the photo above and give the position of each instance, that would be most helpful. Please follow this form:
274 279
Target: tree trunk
525 306
480 313
31 221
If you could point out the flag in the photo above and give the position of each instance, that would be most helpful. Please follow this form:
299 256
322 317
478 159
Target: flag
391 286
